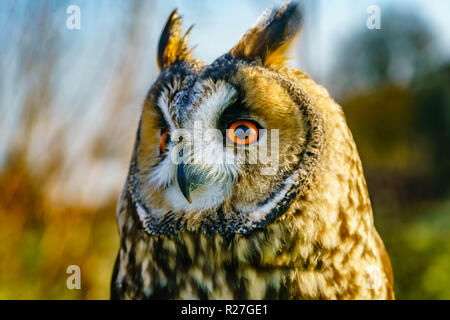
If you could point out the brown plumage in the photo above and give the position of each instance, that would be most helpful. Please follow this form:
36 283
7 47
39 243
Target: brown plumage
299 226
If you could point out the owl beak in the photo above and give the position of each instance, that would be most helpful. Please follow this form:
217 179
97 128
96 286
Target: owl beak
183 183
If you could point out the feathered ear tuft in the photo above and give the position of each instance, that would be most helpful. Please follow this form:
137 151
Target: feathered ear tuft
173 46
272 35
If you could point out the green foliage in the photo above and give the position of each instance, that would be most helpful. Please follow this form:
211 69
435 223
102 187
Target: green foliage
419 248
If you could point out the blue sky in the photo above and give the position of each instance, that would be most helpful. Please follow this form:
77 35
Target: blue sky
218 24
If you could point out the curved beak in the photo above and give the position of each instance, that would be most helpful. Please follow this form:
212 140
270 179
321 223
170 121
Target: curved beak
183 183
190 177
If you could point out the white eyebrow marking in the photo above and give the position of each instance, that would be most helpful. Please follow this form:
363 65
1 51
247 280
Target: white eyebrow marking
223 95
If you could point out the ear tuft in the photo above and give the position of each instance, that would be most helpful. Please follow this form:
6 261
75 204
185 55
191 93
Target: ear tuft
173 46
272 35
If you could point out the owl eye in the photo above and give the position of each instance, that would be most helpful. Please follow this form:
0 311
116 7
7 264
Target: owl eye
243 132
165 138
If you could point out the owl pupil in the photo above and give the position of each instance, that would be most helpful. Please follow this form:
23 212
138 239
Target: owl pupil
242 132
164 140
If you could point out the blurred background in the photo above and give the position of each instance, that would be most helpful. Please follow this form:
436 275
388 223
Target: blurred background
70 102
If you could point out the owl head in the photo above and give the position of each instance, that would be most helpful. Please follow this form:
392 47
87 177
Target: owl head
224 148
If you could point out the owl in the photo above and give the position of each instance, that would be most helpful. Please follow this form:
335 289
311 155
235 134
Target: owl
245 181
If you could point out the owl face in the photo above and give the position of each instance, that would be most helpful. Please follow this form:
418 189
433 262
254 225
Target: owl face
223 148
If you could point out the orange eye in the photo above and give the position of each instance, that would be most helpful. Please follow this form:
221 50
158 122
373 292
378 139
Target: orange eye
163 141
243 132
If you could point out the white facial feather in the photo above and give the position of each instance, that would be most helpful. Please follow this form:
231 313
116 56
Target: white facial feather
202 148
202 198
258 213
